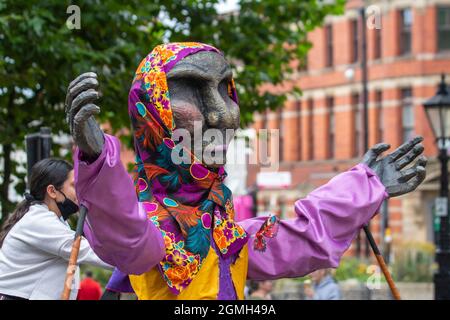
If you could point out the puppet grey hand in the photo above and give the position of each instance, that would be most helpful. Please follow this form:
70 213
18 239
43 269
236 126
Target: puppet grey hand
395 170
80 112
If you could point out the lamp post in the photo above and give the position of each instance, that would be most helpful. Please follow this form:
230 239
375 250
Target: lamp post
38 147
365 101
438 112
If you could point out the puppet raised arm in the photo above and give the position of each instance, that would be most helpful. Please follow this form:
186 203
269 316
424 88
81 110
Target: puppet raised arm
330 216
116 225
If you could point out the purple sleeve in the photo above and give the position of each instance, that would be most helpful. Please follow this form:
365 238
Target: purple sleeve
327 221
116 224
119 282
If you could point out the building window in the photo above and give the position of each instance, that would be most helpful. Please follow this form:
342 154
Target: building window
265 122
311 129
303 66
377 44
443 28
282 133
407 114
405 31
358 124
265 134
299 131
332 128
355 41
329 45
379 115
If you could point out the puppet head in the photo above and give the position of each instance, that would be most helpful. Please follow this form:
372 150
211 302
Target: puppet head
176 85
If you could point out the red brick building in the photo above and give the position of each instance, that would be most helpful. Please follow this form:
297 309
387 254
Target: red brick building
322 132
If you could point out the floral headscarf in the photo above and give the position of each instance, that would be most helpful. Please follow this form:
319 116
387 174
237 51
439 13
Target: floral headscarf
185 201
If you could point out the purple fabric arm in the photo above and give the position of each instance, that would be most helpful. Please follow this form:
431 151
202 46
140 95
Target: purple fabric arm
119 282
116 224
327 221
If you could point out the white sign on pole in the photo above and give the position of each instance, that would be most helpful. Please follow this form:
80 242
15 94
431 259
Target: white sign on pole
274 179
441 206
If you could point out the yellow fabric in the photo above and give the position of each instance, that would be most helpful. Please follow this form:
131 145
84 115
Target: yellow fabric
239 272
205 286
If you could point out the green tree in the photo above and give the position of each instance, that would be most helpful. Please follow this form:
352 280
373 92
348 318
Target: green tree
40 55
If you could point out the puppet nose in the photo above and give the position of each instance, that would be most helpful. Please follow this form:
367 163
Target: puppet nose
217 113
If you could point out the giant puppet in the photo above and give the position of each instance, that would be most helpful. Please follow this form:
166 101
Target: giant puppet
170 229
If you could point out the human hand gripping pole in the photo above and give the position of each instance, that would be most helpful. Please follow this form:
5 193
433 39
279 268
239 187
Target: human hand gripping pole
72 267
400 176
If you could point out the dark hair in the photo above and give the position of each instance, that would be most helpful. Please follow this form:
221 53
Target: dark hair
253 285
89 274
46 172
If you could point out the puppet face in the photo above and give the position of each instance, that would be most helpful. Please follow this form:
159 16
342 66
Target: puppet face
198 89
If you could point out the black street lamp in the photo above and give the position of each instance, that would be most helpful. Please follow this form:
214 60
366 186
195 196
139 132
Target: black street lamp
438 112
38 147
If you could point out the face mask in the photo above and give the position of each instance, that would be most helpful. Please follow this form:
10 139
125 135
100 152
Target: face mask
67 207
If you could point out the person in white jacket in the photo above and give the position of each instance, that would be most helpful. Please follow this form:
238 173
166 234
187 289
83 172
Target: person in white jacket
36 240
